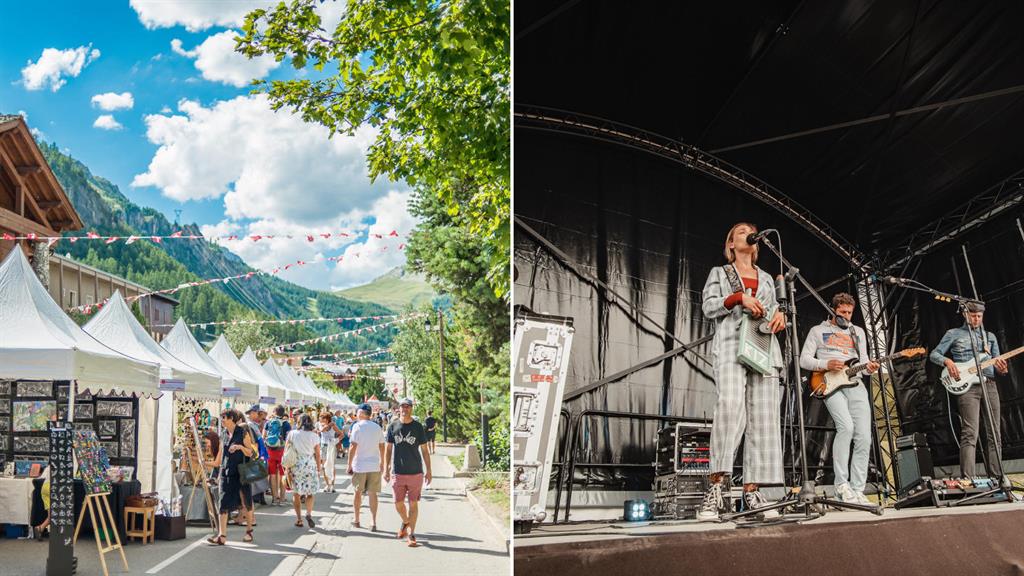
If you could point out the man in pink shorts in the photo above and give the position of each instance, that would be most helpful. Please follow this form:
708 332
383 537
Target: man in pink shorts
407 452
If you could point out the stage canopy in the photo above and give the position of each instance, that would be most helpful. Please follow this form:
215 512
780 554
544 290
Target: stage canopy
880 138
38 341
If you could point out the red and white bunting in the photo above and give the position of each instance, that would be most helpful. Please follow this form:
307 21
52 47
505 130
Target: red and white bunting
180 235
288 321
332 337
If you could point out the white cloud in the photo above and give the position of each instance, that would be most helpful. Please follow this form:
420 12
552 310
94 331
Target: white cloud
54 65
217 60
111 101
279 175
165 110
198 15
107 122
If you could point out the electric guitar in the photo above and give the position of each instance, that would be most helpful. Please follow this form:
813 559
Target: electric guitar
825 383
969 372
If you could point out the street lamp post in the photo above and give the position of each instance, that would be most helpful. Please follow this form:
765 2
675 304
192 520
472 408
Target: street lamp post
440 340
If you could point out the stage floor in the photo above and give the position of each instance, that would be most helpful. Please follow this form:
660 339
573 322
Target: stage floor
593 531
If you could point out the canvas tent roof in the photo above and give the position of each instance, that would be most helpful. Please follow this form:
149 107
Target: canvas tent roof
180 342
116 327
252 364
273 368
40 342
222 354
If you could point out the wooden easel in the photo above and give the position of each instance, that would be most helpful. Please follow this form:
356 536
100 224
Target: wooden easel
98 506
197 469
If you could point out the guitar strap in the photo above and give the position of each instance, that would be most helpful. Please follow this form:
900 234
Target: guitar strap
733 276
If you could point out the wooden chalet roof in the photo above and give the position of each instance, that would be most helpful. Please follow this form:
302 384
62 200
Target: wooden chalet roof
31 199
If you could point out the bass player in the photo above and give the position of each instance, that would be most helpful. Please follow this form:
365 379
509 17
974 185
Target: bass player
955 347
829 346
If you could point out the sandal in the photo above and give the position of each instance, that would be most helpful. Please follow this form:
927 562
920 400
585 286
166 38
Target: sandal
248 536
309 520
217 540
412 541
299 523
356 524
373 528
402 533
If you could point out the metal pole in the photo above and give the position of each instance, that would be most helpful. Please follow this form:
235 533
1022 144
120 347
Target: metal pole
444 404
483 428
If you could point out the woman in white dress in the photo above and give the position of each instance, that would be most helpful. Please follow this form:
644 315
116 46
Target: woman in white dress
304 475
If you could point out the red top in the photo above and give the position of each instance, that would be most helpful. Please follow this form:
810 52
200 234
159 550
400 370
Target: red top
737 297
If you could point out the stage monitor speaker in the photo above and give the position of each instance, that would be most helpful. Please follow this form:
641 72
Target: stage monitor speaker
914 463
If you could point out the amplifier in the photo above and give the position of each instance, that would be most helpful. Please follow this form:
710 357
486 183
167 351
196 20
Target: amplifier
914 463
678 485
677 507
683 449
915 440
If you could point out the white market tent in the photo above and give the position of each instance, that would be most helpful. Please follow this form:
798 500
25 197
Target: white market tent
268 386
222 354
278 373
180 342
40 342
116 327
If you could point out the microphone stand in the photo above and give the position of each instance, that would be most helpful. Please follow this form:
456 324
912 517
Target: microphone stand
807 497
1004 482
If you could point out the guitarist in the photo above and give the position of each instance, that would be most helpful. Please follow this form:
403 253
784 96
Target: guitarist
748 403
955 347
829 346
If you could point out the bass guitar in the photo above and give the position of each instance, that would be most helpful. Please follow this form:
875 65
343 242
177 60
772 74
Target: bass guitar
825 383
969 372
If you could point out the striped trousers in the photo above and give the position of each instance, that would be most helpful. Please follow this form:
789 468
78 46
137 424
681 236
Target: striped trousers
747 403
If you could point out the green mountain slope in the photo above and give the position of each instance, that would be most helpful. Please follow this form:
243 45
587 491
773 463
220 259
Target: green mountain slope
397 289
106 211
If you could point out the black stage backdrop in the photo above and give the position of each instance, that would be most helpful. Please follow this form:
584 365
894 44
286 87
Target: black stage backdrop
652 230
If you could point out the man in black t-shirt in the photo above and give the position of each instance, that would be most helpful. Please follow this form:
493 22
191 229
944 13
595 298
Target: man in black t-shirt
407 453
431 425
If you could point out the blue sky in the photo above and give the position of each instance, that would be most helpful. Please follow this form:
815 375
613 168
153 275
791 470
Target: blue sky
193 137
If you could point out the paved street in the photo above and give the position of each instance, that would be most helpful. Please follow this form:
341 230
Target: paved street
454 539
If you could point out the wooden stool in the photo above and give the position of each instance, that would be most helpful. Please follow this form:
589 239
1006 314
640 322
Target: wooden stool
148 523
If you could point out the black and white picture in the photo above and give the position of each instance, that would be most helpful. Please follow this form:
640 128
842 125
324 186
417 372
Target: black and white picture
111 448
62 412
5 425
83 397
108 408
127 438
83 411
5 405
5 387
35 389
32 444
3 442
62 392
107 429
85 426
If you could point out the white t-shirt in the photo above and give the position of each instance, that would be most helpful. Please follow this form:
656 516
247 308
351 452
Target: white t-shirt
368 435
304 441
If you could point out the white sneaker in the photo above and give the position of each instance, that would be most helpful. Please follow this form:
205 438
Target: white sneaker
846 494
862 499
712 504
754 500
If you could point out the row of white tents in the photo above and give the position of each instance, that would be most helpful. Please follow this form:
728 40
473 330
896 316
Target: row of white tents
113 354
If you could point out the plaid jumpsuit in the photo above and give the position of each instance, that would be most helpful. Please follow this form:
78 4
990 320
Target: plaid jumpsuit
747 401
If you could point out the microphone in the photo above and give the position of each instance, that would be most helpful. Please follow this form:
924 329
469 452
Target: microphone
755 238
780 288
893 280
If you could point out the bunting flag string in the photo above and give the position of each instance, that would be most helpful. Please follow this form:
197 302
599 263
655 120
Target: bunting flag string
290 321
331 337
355 355
180 235
96 306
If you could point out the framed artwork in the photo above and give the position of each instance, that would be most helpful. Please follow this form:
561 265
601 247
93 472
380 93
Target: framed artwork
127 438
83 411
83 397
5 406
111 408
62 392
85 426
5 425
3 442
33 389
39 444
32 415
106 429
23 465
111 448
5 387
92 462
62 412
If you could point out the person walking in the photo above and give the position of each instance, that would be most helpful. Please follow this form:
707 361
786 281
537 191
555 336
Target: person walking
407 453
366 463
304 475
234 495
431 427
329 433
274 434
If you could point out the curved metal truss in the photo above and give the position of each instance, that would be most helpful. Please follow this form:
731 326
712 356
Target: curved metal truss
585 126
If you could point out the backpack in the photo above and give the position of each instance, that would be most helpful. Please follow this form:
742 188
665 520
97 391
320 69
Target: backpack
273 429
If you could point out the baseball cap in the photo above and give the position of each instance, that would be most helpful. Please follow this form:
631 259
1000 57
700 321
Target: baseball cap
253 408
405 402
366 408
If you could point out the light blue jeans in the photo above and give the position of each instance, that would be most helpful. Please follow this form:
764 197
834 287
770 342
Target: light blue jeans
851 412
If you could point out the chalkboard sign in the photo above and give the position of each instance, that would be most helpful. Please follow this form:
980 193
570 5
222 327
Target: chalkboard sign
62 501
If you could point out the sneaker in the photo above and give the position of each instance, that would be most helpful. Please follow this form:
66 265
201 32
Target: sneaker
862 499
712 504
846 494
754 500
